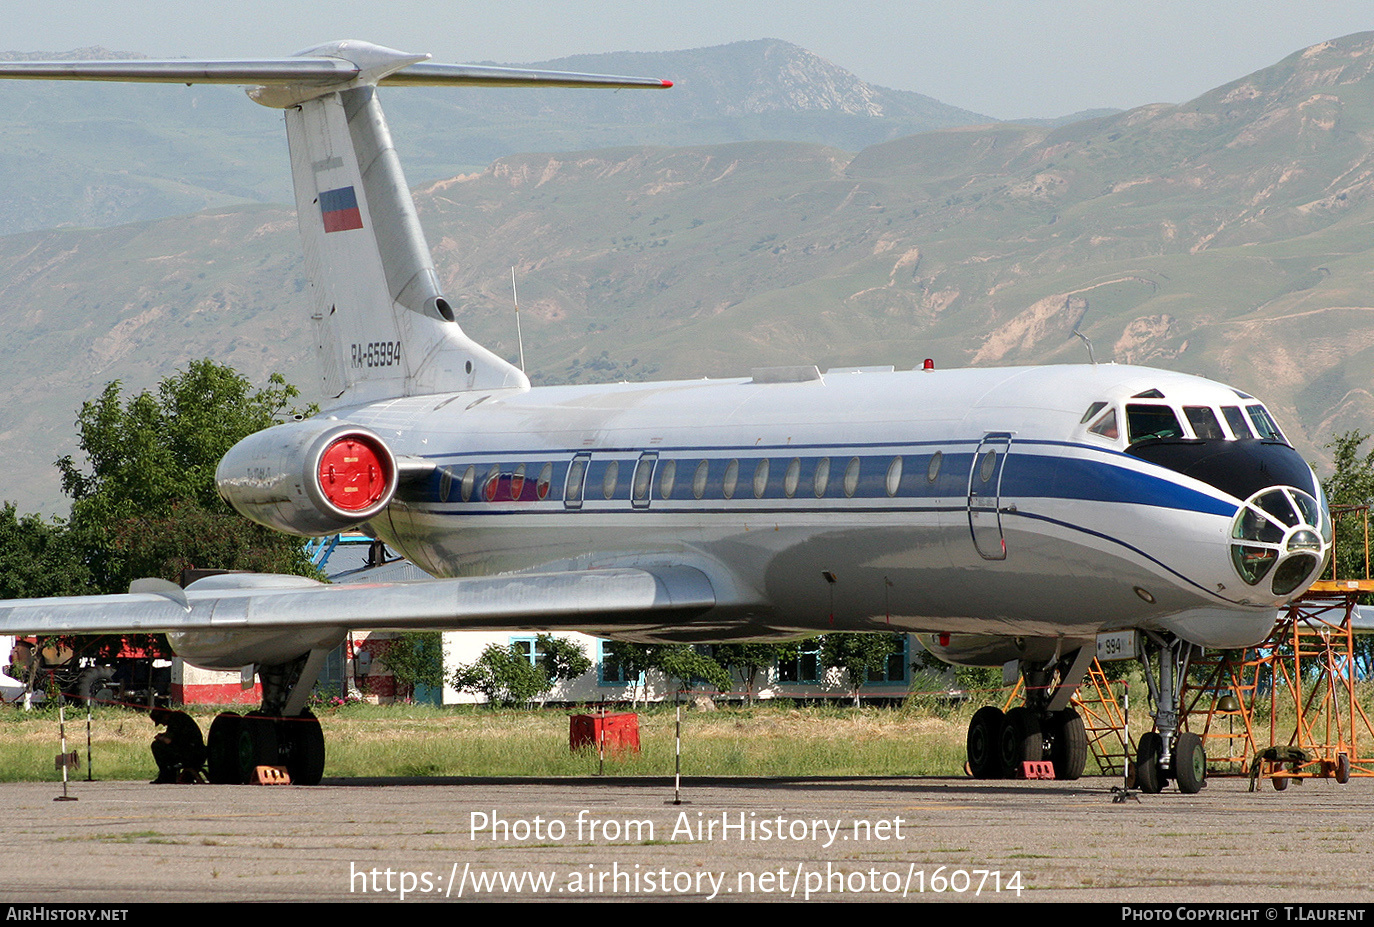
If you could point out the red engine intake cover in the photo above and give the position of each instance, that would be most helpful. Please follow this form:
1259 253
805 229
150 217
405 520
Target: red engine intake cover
353 474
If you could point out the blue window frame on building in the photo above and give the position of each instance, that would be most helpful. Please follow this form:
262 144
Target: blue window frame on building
805 668
608 671
898 668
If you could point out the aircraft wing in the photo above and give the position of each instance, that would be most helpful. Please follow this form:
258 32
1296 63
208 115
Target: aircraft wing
621 597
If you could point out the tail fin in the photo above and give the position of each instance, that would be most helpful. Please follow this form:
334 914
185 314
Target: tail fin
383 326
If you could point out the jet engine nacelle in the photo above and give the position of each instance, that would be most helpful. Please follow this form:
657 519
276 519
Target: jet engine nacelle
309 478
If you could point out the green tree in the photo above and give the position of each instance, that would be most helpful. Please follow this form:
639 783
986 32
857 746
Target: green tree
507 676
415 658
145 503
39 558
856 654
748 660
504 675
561 658
685 663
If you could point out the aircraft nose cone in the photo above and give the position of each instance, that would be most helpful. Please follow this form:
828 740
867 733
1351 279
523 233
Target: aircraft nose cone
1280 536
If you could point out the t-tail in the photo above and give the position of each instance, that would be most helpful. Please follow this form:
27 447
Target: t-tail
382 324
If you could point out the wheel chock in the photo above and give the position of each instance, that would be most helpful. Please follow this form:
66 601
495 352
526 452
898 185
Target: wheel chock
1037 769
271 775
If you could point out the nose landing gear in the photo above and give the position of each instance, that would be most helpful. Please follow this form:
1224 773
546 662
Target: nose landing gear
1167 753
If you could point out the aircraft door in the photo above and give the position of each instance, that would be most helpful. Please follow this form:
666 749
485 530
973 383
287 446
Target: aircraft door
985 496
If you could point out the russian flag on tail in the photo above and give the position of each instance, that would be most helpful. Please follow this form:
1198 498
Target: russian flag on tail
340 210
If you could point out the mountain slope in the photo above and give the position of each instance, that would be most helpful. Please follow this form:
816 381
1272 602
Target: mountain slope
1231 236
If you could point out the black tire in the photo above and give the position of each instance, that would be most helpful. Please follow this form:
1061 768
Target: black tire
1190 763
1342 768
304 742
1148 777
222 748
1020 741
1068 745
257 745
984 738
1280 783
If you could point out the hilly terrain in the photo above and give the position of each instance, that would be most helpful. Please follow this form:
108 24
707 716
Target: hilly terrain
1230 236
93 154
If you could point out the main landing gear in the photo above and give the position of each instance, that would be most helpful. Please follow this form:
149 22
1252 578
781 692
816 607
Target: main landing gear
281 733
1166 753
1045 728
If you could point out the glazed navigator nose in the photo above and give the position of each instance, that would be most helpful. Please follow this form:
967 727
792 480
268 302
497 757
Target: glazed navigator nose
1281 535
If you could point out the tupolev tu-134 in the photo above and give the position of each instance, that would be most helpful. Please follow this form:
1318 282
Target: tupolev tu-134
1009 514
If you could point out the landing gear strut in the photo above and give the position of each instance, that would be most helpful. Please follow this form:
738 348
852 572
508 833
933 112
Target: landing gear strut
1166 753
1046 728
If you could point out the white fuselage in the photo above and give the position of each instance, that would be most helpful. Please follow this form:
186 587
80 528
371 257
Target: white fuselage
967 500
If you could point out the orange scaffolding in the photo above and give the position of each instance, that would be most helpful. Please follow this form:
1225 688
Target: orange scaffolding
1303 678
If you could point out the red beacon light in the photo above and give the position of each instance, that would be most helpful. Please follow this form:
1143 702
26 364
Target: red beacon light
928 365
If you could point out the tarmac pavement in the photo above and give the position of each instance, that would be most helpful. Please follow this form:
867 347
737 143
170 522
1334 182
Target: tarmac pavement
917 839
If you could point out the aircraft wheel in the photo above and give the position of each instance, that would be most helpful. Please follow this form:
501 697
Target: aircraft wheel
1280 783
1190 763
1147 775
304 742
1342 768
257 745
1020 741
1069 744
984 736
222 747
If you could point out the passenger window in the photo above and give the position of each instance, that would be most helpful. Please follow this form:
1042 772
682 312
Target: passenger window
894 476
851 477
731 479
665 479
1146 423
1236 419
469 482
699 479
989 466
933 471
792 477
490 483
1204 422
643 479
822 476
609 480
761 478
541 488
577 474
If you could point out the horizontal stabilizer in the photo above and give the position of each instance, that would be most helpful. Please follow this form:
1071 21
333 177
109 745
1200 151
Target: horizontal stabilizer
310 73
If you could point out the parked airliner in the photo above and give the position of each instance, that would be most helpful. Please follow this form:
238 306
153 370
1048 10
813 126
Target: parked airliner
1011 514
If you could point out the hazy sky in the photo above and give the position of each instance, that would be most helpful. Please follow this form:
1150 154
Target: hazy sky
1003 58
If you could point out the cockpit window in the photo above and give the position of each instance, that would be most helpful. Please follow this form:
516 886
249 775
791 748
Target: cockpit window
1093 409
1264 424
1204 422
1149 394
1106 426
1144 422
1236 419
